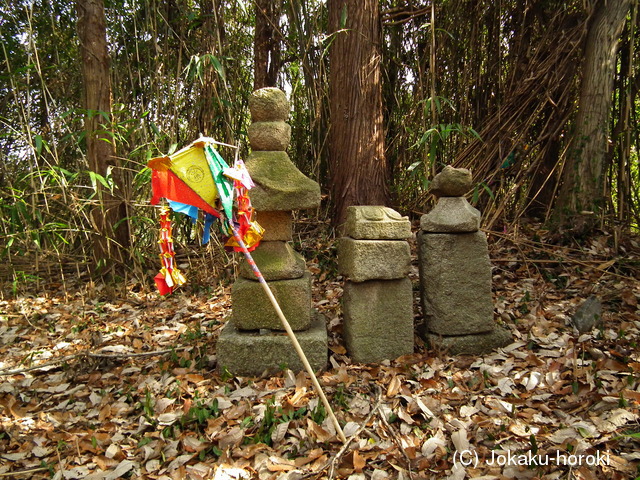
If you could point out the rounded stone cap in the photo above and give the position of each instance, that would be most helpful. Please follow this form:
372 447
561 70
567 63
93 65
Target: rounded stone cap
451 182
269 104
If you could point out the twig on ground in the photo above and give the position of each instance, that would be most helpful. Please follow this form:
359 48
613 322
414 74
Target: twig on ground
24 472
85 354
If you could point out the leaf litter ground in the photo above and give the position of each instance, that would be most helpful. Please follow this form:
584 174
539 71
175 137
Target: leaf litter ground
104 385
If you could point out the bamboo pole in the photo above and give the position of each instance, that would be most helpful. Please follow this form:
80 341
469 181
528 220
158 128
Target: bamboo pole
290 333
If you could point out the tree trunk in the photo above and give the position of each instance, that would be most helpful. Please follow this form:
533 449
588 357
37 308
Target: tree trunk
266 46
111 239
210 105
582 197
359 170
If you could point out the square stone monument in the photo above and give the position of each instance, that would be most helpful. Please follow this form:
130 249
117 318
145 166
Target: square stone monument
377 302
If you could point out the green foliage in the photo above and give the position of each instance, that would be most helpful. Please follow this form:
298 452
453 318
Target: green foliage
181 69
197 65
276 415
47 192
438 143
436 138
49 466
198 415
23 280
147 405
193 333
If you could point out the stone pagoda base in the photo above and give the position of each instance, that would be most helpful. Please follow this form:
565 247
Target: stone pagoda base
252 353
475 344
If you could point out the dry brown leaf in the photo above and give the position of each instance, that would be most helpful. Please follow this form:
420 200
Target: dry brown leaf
231 439
605 265
613 420
358 461
105 463
311 456
278 464
394 386
11 404
631 395
319 433
629 297
546 378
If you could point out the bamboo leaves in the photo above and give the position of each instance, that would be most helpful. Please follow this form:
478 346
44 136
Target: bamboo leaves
195 70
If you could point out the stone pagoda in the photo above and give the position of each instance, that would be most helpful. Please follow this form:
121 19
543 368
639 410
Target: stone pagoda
254 341
455 272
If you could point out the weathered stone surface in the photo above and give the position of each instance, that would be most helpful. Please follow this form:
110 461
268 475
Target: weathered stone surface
478 344
378 319
279 183
451 215
455 283
277 226
376 223
276 261
252 309
268 104
250 353
451 182
362 260
269 135
588 315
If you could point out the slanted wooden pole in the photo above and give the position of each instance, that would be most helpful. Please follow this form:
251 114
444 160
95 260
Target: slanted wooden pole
292 336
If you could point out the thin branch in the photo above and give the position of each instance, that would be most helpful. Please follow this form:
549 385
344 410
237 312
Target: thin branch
85 354
24 472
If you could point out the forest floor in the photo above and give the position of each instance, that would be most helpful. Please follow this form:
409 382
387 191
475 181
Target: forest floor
98 382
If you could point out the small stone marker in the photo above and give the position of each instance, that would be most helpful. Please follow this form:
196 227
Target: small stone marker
588 314
253 340
371 222
455 272
377 299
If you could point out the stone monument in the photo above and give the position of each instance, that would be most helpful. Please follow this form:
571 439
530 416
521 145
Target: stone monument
455 272
253 341
377 302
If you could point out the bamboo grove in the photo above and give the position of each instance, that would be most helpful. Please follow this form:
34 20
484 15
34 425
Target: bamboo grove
490 86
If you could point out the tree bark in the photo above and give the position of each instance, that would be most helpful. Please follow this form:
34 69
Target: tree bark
359 169
582 196
266 46
111 239
210 106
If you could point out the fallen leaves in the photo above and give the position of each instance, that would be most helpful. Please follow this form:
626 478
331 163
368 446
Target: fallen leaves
94 387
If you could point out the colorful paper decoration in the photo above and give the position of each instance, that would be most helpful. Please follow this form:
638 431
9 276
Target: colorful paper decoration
169 277
197 177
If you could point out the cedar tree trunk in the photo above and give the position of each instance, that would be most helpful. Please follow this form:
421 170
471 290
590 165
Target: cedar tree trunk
359 170
266 46
109 216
